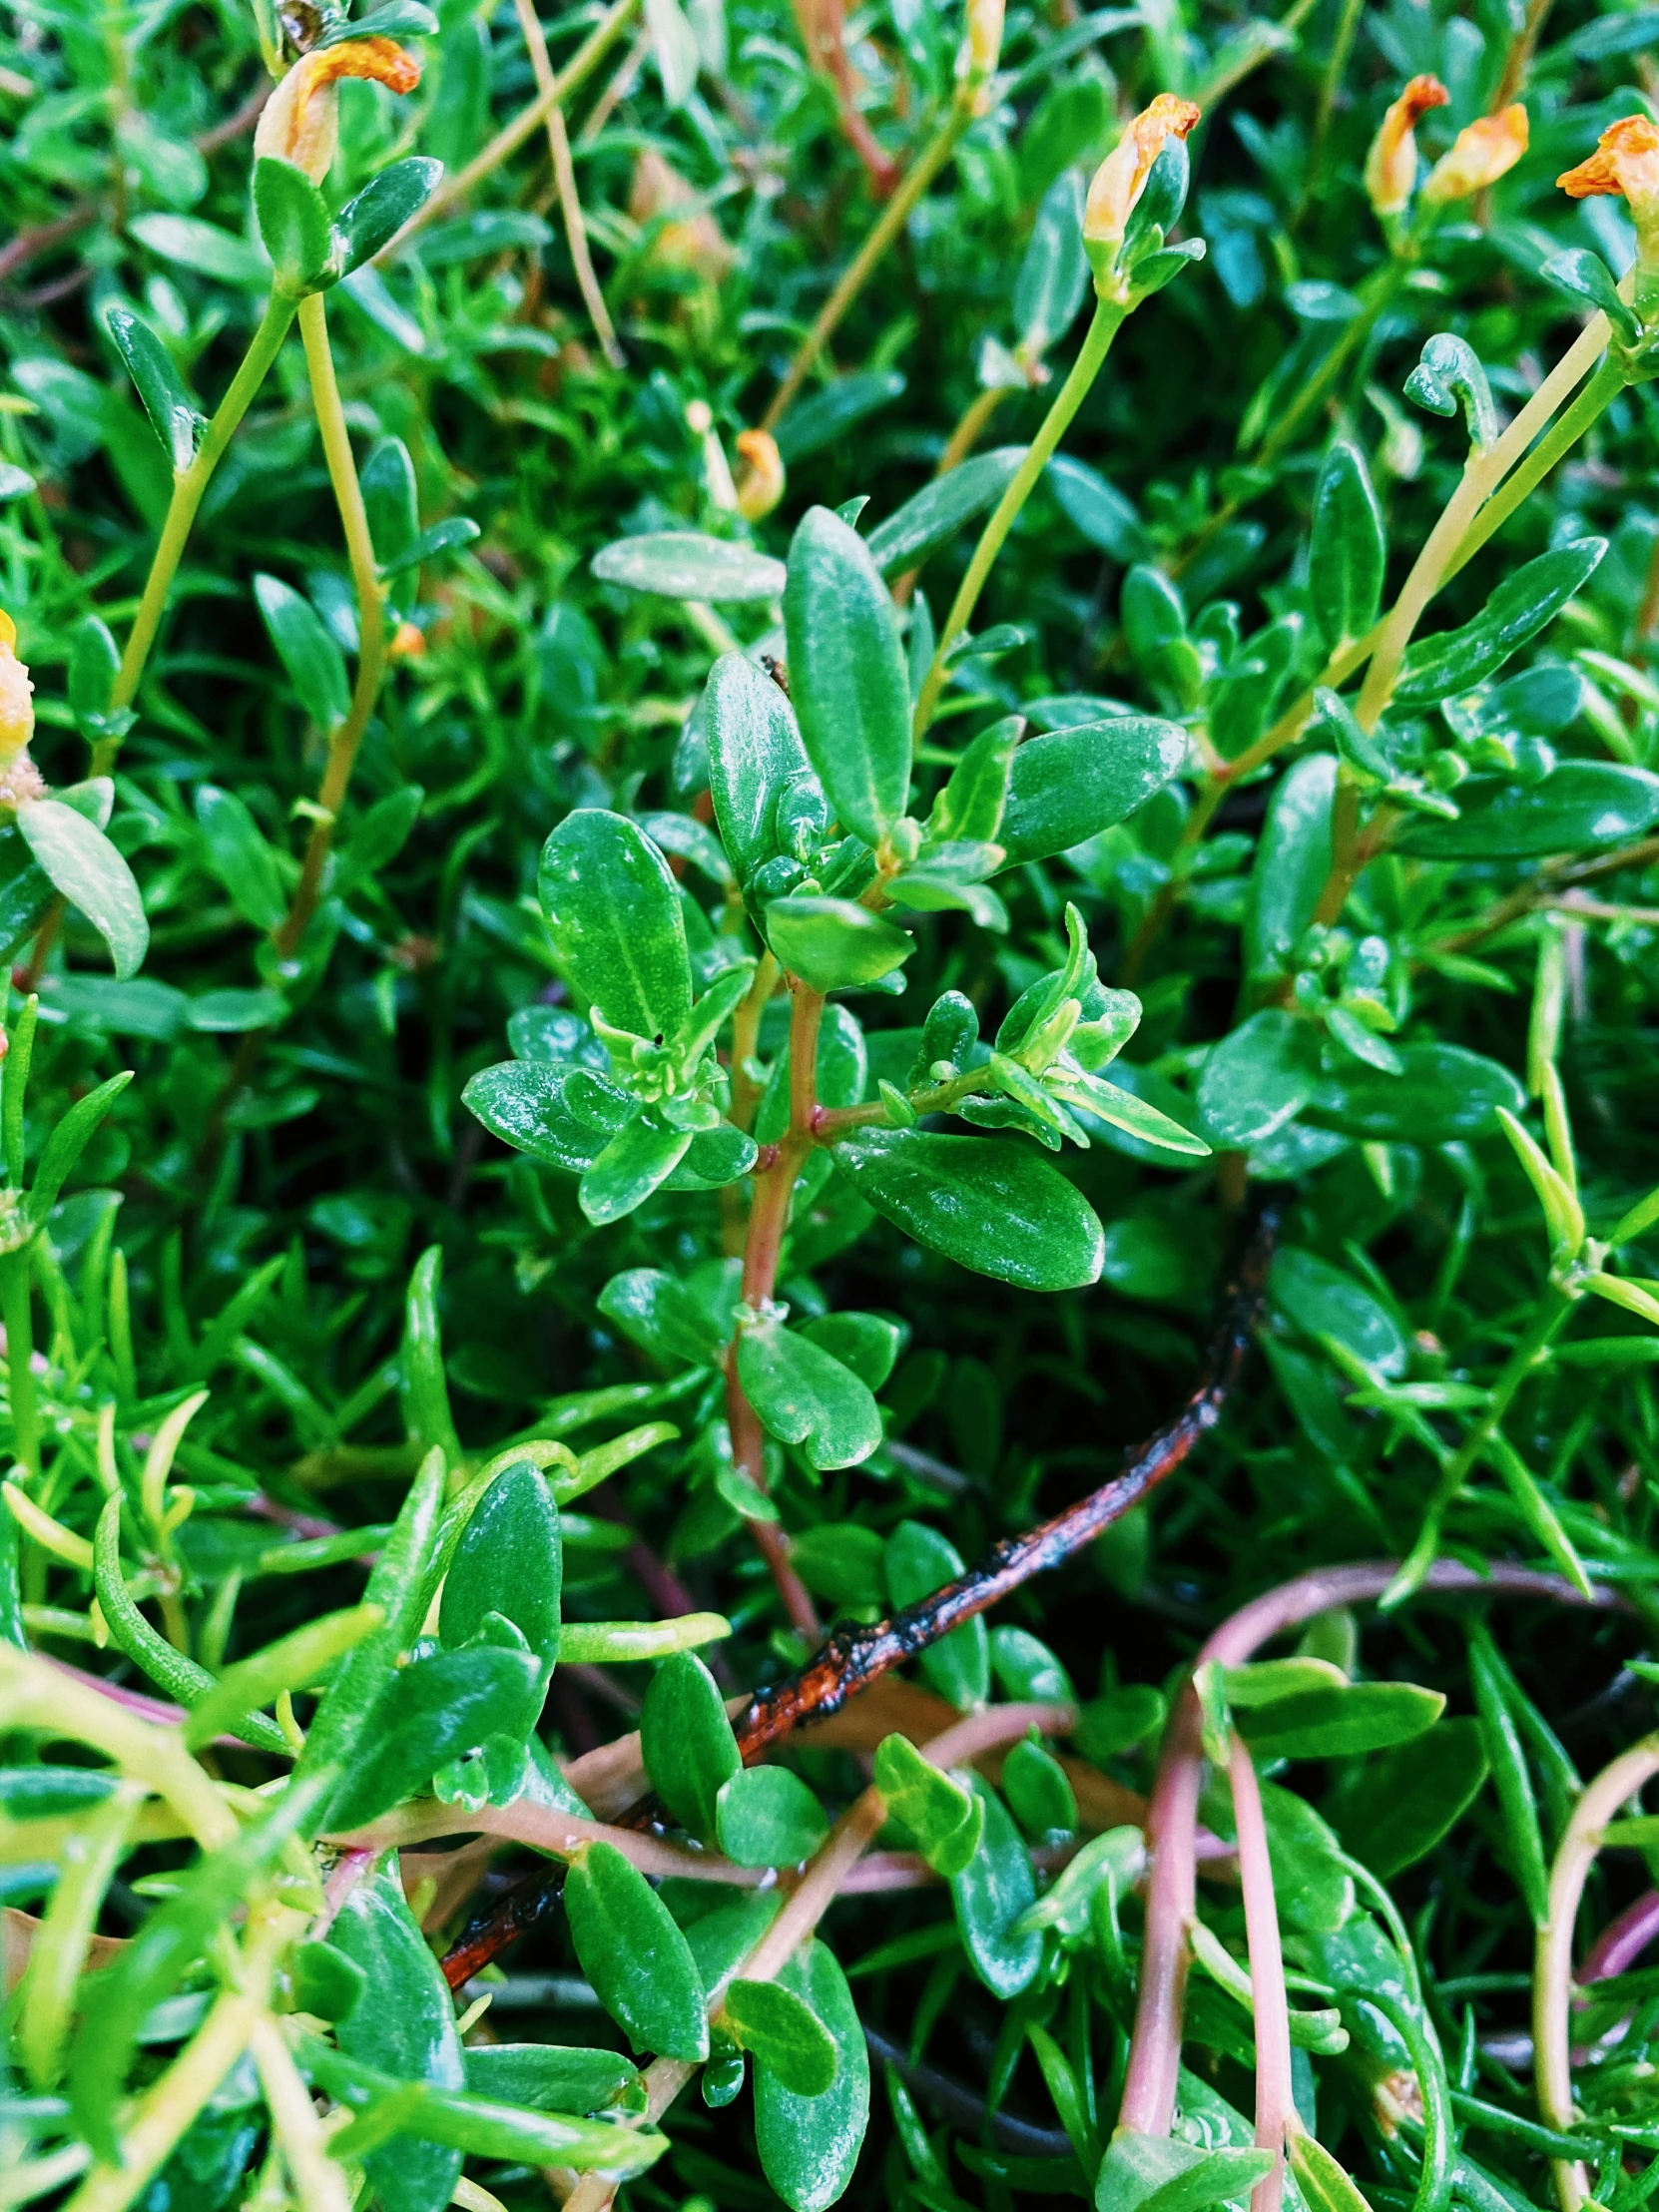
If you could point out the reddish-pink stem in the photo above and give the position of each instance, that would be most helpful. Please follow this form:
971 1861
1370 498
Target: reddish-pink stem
769 1217
1171 1901
1155 2048
1275 2097
1623 1942
343 1877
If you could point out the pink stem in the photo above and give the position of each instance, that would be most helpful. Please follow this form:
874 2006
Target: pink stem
1155 2048
133 1701
560 1833
1552 1977
1275 2097
826 1874
343 1877
1623 1942
305 1525
1170 1900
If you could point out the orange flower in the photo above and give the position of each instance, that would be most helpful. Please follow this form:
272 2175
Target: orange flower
17 705
301 122
761 486
1478 156
1626 161
409 642
1121 178
1392 164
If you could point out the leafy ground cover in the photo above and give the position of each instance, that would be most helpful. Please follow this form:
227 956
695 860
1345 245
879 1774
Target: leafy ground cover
829 849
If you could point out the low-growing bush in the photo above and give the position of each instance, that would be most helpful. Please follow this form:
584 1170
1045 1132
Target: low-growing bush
829 1348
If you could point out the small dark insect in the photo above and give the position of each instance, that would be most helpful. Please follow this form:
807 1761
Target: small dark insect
307 23
777 671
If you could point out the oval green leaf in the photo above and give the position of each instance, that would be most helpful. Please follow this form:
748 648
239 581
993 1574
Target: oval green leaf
1579 804
633 1954
614 915
686 1743
846 674
509 1561
92 876
1067 787
806 1397
809 2145
768 1816
991 1205
686 564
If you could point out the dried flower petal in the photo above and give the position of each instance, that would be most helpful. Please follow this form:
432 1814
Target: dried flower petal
761 486
1392 164
301 122
1479 155
1121 178
1625 163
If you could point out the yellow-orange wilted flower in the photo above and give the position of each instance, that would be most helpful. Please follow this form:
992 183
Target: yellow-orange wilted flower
17 703
1625 162
1478 155
1121 178
409 642
761 486
301 120
984 37
693 239
1392 164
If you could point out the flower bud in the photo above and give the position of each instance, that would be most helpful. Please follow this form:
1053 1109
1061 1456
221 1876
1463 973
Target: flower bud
761 485
1478 156
299 124
17 705
984 38
1121 178
1625 164
1392 164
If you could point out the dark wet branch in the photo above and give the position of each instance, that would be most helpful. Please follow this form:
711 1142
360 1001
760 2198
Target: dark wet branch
855 1657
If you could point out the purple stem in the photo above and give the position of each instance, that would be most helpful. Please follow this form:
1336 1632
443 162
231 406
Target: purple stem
1623 1942
308 1525
1171 1832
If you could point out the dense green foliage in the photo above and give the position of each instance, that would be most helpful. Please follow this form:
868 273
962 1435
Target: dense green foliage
632 1036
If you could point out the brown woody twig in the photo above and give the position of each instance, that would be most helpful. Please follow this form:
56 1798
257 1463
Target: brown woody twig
855 1657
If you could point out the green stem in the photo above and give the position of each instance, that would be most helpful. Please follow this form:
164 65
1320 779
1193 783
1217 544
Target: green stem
1340 48
371 623
1376 296
1428 571
1546 1325
1345 852
893 220
1592 402
20 1344
1108 316
1220 780
1379 298
1518 61
524 124
188 489
1476 509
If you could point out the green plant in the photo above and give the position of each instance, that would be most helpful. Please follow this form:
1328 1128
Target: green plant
622 1140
